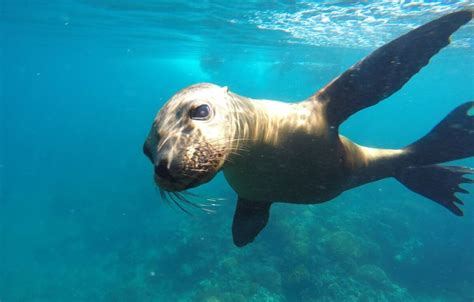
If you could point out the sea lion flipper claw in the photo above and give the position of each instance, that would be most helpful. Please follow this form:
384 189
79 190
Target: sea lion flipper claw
250 218
387 69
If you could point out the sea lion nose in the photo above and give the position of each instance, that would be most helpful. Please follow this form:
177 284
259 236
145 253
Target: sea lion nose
162 170
147 151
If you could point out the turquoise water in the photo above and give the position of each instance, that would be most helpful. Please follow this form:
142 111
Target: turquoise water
81 219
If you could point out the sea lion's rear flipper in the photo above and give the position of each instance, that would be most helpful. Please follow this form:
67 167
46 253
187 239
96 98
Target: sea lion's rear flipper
451 139
249 219
387 69
438 183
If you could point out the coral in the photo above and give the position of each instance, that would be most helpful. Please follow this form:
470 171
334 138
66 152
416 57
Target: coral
228 263
407 252
375 276
224 297
268 277
299 274
343 244
211 299
264 295
221 292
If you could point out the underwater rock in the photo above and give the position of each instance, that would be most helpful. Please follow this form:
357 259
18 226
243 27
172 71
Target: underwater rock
221 291
408 251
267 276
211 299
374 251
341 290
228 263
343 244
264 295
370 285
389 228
225 297
298 278
375 276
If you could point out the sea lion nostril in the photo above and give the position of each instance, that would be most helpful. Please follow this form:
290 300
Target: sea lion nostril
162 170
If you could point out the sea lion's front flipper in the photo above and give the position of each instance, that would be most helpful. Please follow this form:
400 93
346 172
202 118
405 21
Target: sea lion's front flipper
249 219
387 69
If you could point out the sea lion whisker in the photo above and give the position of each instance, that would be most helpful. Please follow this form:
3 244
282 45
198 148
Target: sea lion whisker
162 143
214 200
237 146
208 211
186 192
199 206
229 140
199 170
234 152
163 196
192 194
217 199
239 149
166 196
230 159
183 199
176 202
206 164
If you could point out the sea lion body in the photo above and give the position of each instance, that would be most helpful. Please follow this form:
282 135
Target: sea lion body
272 151
297 157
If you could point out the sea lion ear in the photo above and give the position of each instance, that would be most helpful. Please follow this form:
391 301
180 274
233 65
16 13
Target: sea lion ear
250 218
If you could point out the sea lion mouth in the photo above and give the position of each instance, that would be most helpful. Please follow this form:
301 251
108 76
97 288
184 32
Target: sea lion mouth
188 169
171 183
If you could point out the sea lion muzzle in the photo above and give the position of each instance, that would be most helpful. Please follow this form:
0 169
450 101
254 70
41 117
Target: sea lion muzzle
162 170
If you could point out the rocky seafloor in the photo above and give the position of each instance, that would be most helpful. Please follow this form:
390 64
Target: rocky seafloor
368 245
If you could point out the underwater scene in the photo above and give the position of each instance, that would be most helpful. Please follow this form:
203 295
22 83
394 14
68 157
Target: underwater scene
82 219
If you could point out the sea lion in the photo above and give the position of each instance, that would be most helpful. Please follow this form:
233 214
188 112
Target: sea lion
272 151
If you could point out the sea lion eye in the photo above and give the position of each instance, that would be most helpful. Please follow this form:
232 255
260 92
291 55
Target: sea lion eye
201 112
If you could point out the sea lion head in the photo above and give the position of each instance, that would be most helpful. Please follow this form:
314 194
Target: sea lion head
190 137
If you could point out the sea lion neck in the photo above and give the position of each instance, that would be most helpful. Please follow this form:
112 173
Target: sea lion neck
259 121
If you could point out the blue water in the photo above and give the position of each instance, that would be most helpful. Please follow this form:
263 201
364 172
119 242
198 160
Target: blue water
81 219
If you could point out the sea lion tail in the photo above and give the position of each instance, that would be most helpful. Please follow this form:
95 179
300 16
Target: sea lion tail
451 139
